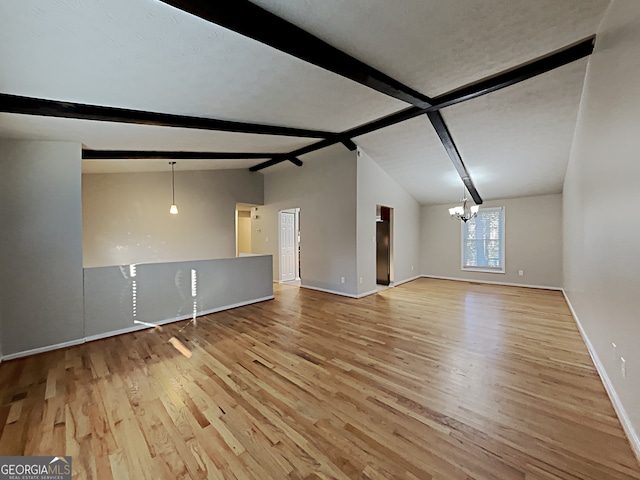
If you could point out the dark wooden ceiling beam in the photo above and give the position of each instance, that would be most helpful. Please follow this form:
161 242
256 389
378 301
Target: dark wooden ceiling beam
392 119
55 108
88 154
349 144
252 21
268 163
449 145
544 64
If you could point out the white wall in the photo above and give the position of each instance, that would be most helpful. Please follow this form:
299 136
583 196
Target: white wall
375 187
126 216
533 242
601 230
40 244
324 189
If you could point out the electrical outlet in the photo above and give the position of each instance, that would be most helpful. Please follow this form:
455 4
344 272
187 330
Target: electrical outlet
266 239
412 268
521 272
623 367
342 280
361 281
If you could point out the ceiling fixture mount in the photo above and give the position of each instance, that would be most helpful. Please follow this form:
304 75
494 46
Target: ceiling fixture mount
174 208
464 212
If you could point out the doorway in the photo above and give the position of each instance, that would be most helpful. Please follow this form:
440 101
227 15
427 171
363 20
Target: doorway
384 243
289 244
244 213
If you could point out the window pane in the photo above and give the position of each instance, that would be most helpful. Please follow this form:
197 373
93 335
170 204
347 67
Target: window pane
483 240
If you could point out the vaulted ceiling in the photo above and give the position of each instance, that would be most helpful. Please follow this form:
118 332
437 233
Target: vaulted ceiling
149 56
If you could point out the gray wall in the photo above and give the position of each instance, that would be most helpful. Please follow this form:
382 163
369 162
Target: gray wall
126 216
601 231
325 191
533 242
163 291
375 187
40 245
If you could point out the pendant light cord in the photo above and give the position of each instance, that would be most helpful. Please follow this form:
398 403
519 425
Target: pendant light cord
173 184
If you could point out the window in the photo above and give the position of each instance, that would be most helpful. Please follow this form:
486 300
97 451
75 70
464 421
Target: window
483 241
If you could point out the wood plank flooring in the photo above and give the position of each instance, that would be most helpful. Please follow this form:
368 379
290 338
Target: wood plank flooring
429 380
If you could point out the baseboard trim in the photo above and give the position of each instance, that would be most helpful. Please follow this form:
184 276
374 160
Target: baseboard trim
48 348
506 284
630 431
234 305
325 290
366 294
359 295
131 329
407 280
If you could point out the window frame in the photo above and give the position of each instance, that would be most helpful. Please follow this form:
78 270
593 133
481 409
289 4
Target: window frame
463 240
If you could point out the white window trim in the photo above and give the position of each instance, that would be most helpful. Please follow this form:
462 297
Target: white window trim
502 247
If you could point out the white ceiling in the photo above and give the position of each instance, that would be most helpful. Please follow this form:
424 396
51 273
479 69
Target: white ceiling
146 55
514 142
435 46
143 54
123 136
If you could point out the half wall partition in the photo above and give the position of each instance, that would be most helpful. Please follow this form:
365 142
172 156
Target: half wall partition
120 299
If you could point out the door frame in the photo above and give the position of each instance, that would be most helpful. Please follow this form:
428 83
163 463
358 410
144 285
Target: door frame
391 245
296 246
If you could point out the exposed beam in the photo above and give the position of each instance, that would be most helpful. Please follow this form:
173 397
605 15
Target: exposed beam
449 145
279 158
296 161
55 108
544 64
268 163
313 147
88 154
349 144
392 119
252 21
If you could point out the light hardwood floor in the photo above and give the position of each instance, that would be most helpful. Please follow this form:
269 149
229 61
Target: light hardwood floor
430 380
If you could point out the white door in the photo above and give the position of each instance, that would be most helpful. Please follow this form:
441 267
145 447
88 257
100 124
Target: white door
287 247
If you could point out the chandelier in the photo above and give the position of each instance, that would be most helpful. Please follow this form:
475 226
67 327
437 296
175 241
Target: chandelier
464 212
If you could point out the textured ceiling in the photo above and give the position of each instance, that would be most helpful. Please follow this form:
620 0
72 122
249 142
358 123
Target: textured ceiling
146 55
514 142
411 153
435 46
525 130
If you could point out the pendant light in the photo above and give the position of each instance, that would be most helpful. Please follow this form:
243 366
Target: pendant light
174 208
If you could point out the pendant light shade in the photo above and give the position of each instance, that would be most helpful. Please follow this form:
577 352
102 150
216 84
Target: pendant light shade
174 208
